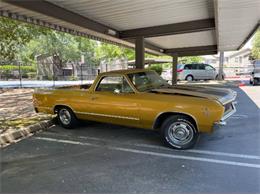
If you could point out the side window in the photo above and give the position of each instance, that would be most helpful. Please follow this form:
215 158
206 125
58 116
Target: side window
207 67
188 67
195 66
114 84
201 67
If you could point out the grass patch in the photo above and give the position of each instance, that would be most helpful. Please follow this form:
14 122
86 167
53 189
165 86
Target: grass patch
17 124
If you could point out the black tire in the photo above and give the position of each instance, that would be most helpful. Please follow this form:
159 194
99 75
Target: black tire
255 81
223 78
189 76
179 137
70 122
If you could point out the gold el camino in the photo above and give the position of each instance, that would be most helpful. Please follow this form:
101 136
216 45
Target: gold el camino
141 98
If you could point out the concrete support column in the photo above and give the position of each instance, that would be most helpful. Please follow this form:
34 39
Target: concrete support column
174 69
221 62
139 52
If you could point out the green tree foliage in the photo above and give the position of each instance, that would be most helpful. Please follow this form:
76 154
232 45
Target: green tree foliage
14 36
22 41
190 59
256 45
109 52
60 45
87 48
157 68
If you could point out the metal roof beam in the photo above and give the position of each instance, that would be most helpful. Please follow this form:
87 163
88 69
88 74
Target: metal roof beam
57 12
147 45
193 51
170 29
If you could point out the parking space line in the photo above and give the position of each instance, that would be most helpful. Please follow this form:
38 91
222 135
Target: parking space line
205 152
208 152
226 162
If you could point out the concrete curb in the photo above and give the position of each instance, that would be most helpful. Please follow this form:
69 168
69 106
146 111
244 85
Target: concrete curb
14 136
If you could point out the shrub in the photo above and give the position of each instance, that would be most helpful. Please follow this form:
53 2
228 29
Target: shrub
31 75
14 67
73 78
157 68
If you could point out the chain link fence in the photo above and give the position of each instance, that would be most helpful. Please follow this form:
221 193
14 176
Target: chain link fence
14 74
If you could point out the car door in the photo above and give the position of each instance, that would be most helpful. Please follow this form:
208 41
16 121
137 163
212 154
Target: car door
201 71
192 69
210 72
113 101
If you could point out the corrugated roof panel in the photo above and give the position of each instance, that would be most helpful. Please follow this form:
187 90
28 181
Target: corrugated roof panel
184 40
31 14
130 14
236 19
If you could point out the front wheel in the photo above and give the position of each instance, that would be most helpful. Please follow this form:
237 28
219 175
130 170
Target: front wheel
223 78
67 118
255 81
179 132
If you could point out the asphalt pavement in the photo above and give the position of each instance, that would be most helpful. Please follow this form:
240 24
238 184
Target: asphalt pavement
103 158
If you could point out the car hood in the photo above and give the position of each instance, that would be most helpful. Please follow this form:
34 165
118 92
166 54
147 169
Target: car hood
222 95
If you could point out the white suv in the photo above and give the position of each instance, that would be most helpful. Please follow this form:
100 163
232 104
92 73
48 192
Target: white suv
197 71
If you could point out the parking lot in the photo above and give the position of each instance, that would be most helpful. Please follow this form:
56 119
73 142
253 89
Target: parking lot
102 158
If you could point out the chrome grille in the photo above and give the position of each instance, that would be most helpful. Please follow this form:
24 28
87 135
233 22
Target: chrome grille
228 107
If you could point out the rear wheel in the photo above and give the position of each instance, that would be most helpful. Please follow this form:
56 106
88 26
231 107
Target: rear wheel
67 118
179 132
189 78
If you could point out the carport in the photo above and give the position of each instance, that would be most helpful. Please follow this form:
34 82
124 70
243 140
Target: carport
175 28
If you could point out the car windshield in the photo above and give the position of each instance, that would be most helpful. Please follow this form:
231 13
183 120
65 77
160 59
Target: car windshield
146 81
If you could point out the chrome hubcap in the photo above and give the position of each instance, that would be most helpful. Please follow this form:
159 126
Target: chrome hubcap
64 116
189 78
180 133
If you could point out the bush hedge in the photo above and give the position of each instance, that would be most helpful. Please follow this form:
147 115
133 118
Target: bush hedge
14 67
156 67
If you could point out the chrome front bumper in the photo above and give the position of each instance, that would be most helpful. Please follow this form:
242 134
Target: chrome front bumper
227 114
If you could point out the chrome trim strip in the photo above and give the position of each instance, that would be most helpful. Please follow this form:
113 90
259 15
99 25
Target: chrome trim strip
107 115
223 102
50 108
226 116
